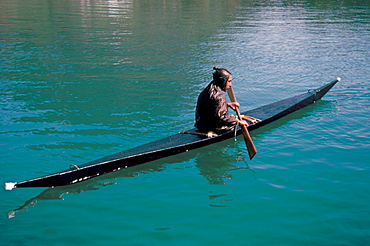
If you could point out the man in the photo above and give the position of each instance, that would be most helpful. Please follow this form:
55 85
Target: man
212 108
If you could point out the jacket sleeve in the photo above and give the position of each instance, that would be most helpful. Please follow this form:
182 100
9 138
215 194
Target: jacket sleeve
225 120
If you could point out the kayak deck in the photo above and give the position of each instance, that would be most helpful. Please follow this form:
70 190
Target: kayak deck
171 145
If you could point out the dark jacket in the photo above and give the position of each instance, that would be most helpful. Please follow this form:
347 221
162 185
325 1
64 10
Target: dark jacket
212 112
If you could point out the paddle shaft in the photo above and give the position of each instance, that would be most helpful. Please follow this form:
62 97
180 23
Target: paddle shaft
247 138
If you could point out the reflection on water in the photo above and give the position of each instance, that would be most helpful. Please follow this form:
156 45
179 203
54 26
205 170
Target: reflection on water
58 193
218 170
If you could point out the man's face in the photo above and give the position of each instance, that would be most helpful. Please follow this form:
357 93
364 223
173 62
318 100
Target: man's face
228 83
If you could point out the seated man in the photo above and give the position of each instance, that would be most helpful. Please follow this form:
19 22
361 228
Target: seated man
212 108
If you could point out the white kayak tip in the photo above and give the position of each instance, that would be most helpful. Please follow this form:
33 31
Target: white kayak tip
9 185
338 78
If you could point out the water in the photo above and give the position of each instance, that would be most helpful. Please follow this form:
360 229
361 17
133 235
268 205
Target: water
84 79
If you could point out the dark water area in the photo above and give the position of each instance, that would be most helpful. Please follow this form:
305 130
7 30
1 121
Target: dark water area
80 80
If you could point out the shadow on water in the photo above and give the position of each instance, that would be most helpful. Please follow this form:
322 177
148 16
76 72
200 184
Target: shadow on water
215 171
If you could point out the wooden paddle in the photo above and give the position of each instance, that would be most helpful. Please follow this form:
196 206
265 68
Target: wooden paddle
247 138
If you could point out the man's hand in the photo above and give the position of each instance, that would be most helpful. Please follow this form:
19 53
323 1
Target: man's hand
234 105
243 122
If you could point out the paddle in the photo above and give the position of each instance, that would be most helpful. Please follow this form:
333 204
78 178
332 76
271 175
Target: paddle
247 138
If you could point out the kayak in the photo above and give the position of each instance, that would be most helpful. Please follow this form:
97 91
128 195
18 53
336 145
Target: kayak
172 145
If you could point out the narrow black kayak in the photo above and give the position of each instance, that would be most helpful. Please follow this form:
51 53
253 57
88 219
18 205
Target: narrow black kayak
172 145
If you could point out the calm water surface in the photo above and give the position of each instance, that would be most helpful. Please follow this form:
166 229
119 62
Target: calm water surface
84 79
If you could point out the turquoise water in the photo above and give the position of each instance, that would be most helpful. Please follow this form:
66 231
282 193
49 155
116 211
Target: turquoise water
84 79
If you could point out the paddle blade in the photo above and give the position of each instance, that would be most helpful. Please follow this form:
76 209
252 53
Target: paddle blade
252 151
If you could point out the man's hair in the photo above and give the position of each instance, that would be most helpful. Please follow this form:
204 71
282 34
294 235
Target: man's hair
220 76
